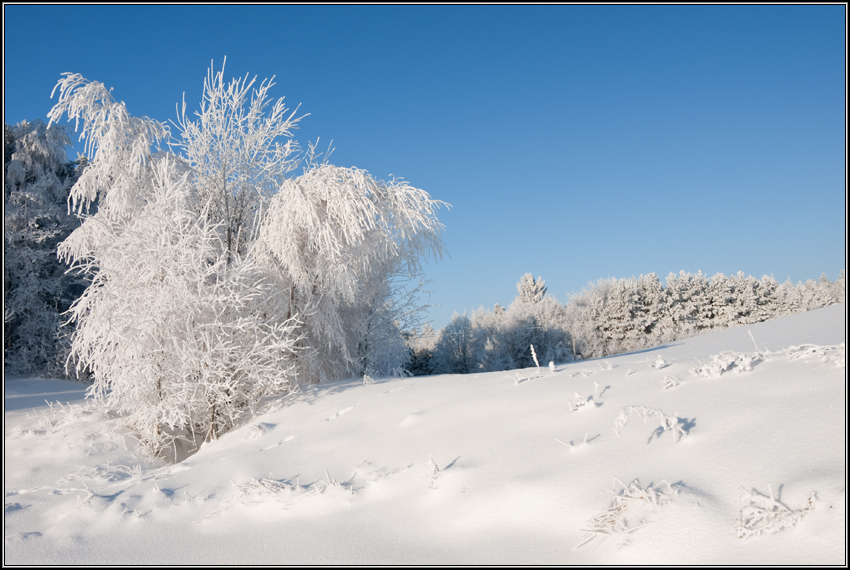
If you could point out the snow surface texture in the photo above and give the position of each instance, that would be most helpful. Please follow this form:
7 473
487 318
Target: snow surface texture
471 469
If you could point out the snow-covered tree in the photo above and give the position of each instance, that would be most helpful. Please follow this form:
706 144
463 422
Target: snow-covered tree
240 150
687 304
119 148
286 276
721 292
174 335
37 288
531 290
335 238
815 294
421 346
455 349
839 288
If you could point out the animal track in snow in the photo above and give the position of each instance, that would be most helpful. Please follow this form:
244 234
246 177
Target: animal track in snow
339 413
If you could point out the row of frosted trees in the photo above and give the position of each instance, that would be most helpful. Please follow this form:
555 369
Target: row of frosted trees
611 316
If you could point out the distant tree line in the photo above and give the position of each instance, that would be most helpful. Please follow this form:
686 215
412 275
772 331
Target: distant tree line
611 316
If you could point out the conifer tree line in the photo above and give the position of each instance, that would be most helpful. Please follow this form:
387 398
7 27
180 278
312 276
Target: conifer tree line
611 316
37 178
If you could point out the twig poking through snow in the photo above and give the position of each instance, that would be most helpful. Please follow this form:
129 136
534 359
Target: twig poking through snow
670 381
433 473
580 402
754 340
667 422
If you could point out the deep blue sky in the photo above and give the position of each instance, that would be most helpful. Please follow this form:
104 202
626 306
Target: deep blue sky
573 142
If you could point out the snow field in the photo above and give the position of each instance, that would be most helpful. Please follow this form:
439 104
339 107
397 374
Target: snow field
466 469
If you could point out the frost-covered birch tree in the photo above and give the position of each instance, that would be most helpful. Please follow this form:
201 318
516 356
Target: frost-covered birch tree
240 149
219 278
178 335
335 238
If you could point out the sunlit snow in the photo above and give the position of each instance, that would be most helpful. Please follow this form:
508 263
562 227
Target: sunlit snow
726 448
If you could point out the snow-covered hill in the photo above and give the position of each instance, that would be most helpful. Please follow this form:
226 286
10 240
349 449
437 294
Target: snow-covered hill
664 456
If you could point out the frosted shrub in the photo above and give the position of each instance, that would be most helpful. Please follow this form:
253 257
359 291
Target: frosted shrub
336 238
629 510
217 278
726 361
666 422
240 149
579 402
174 338
670 382
762 514
833 353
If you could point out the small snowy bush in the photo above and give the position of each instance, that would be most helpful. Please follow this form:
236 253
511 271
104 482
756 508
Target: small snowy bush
671 382
764 514
579 402
833 354
726 361
667 422
631 508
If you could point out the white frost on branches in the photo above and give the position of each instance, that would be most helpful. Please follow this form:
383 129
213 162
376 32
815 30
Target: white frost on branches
118 145
171 338
534 357
219 279
336 238
37 288
240 149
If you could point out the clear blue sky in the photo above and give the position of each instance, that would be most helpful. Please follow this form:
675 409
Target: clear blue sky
573 142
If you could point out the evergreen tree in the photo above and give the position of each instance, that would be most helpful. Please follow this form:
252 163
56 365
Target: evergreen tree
37 288
531 290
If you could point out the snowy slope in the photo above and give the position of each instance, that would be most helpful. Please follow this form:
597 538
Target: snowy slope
477 469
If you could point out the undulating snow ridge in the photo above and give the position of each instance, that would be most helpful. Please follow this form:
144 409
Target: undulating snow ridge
466 469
